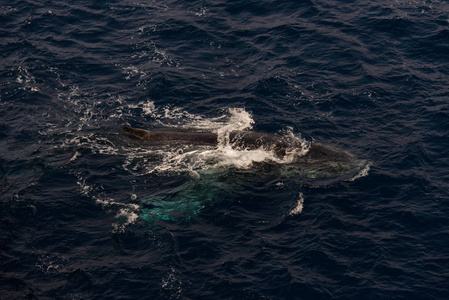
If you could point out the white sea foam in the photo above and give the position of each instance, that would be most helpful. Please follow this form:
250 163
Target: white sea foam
125 213
299 205
126 216
75 156
362 173
172 285
26 79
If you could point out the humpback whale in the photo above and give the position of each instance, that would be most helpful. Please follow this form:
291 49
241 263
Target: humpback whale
313 158
286 157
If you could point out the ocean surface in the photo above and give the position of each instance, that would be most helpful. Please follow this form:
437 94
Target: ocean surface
87 212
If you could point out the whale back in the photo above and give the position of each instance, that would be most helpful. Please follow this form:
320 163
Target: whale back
206 138
239 140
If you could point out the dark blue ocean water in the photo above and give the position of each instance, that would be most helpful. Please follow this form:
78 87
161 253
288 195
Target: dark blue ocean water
87 214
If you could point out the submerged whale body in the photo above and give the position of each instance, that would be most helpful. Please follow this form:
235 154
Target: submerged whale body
315 159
